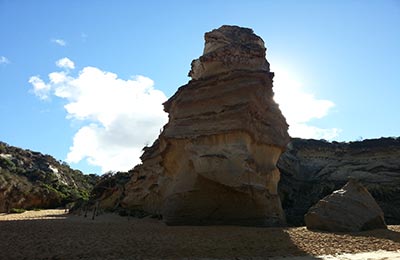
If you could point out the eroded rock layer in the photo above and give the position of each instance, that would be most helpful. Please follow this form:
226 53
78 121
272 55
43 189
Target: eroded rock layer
215 160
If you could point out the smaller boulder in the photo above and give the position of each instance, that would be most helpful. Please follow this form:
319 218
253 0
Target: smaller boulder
350 209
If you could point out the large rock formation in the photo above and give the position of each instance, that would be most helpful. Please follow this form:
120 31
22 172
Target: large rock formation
350 209
311 170
215 160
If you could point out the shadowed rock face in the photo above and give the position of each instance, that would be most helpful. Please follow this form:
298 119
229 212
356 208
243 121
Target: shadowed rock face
311 170
350 209
215 160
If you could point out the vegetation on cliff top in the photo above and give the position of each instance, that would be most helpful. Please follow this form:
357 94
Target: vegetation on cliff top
30 180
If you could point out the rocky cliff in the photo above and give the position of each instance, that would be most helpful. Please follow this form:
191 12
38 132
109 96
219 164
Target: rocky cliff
215 160
30 180
311 170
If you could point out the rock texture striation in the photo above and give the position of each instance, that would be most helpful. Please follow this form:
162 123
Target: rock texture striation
311 170
350 209
215 160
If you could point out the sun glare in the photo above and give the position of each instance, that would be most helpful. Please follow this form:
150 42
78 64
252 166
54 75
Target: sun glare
299 106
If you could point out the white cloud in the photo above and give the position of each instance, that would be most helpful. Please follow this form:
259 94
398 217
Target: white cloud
307 131
65 63
4 60
300 107
40 88
60 42
120 115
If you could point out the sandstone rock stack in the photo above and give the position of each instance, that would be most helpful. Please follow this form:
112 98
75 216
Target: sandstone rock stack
352 208
215 160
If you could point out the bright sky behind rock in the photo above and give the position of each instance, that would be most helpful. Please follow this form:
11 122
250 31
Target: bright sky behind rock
84 80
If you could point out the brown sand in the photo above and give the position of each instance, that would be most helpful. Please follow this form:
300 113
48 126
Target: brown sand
51 234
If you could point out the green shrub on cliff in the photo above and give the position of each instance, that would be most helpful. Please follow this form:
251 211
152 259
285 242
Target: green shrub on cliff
18 211
30 180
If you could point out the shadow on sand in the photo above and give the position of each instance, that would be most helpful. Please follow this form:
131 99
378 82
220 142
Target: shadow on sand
75 237
381 233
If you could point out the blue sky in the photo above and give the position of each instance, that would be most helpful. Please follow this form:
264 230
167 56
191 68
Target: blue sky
83 80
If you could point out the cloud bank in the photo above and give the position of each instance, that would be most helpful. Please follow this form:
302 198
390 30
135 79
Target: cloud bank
300 107
120 116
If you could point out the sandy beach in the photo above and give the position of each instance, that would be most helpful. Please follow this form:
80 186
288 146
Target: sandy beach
52 234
